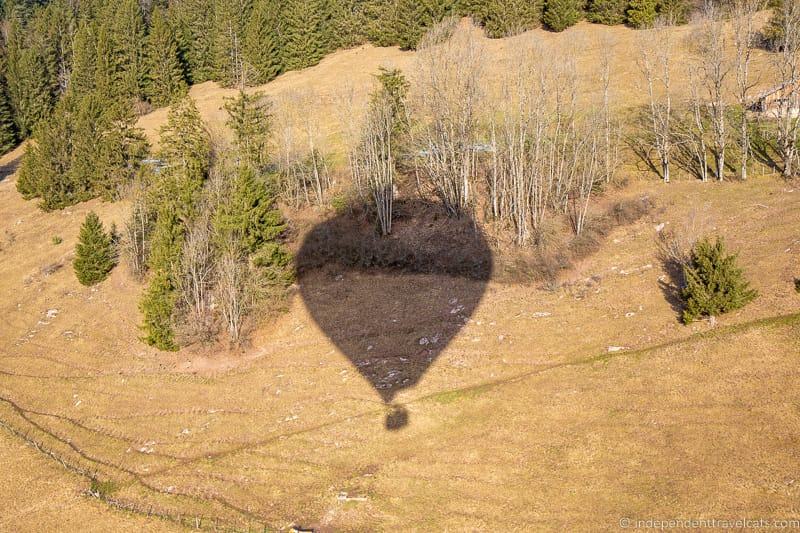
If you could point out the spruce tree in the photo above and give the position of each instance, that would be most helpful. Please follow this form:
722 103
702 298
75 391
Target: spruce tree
230 18
561 14
128 34
157 308
608 12
8 130
165 81
304 41
193 24
94 253
416 17
250 119
185 144
262 45
502 18
642 13
46 171
29 86
83 59
714 282
250 212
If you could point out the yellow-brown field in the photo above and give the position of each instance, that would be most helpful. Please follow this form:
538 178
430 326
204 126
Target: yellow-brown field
568 409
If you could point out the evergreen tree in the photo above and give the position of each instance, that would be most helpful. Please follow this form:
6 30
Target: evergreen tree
230 18
714 283
29 86
83 60
193 23
128 33
8 130
303 39
561 14
502 18
94 253
157 308
46 169
185 144
675 11
164 80
609 12
121 148
249 118
249 211
416 17
642 13
262 45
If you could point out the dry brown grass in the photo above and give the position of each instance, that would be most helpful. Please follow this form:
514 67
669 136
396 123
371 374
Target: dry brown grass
525 421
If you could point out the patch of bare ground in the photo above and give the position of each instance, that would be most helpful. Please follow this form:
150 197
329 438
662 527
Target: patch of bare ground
548 410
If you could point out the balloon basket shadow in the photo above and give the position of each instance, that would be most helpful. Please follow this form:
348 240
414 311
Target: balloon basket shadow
396 417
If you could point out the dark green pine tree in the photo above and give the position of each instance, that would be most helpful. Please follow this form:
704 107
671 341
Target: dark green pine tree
165 81
128 34
121 148
83 59
380 26
262 45
47 171
608 12
157 307
714 283
561 14
250 119
416 17
185 147
8 130
250 212
304 41
503 18
347 24
94 253
108 71
51 31
193 24
642 13
230 19
29 87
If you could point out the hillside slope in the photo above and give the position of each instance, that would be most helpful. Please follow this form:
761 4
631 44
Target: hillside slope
527 420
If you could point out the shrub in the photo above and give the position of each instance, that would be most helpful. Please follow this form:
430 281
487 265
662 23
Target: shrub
797 285
57 240
94 253
714 283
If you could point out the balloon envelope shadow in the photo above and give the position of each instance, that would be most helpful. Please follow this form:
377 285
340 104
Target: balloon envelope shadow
392 304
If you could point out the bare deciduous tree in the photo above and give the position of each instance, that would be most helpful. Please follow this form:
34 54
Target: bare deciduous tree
447 101
744 32
655 63
787 65
136 233
196 281
373 160
712 41
234 288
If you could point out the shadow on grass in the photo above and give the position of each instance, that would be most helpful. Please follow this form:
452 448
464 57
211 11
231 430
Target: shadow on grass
392 304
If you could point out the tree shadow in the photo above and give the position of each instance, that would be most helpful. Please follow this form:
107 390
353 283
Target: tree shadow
393 304
9 168
673 285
